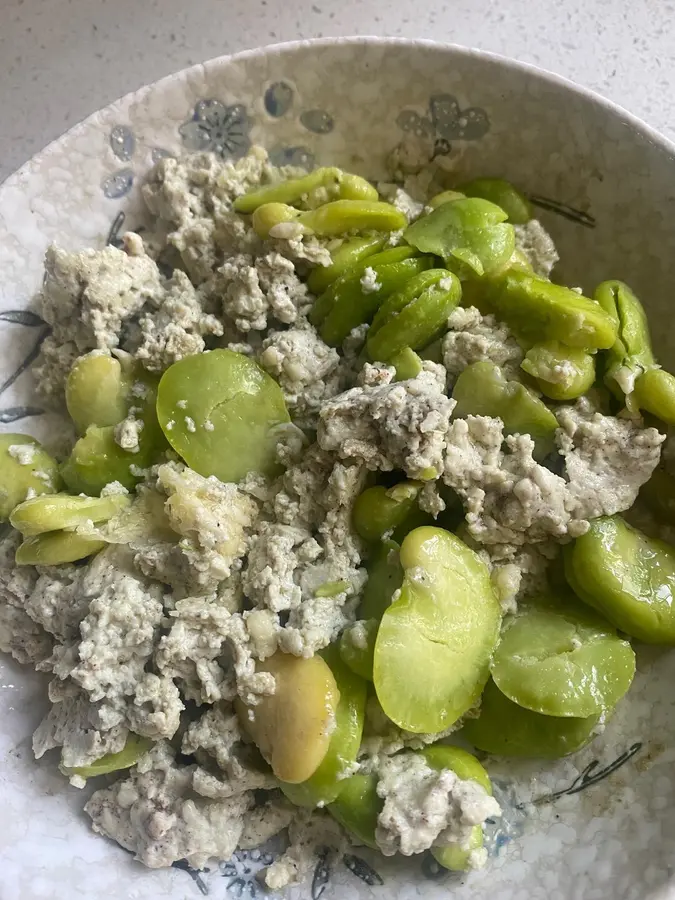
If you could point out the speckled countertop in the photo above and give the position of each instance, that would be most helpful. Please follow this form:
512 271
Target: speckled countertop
62 59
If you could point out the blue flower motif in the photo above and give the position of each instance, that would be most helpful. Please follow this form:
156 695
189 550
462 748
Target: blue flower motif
292 156
221 129
122 142
118 184
445 121
241 871
317 121
278 99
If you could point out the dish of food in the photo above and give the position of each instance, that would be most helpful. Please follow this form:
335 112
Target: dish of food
344 486
570 825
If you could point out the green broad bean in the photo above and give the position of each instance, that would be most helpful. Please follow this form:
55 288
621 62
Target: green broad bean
353 187
357 808
538 310
414 316
135 747
467 768
482 390
218 411
503 194
326 782
349 254
470 234
351 280
24 468
627 577
357 647
506 729
407 364
560 659
445 197
379 510
59 512
446 614
354 307
385 576
268 216
561 373
655 393
290 191
97 460
342 216
56 548
97 391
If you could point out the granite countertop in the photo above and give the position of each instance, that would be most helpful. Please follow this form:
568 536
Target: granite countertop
61 60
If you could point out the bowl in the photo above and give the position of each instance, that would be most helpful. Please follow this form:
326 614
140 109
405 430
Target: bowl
600 823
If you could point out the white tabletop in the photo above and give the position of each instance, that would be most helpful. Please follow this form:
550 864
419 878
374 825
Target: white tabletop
62 59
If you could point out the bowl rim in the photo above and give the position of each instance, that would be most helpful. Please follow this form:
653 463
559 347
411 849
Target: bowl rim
283 47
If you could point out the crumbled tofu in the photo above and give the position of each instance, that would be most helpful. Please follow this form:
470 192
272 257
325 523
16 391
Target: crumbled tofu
536 243
255 291
156 814
392 426
425 807
128 432
306 369
24 454
473 337
369 282
20 635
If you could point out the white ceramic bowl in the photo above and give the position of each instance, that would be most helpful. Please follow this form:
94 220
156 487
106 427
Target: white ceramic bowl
598 825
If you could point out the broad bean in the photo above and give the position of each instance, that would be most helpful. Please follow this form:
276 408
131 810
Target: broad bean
97 390
561 373
385 575
354 307
379 510
135 747
25 469
407 364
290 191
55 548
218 411
357 647
538 310
349 254
655 394
350 280
483 390
343 216
628 577
414 316
58 512
503 194
470 234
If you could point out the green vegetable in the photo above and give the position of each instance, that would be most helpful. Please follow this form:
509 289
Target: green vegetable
38 474
61 511
655 393
447 615
503 194
218 411
357 808
97 391
133 750
631 354
289 191
350 280
379 510
445 197
328 779
354 307
560 659
56 548
385 576
269 215
343 216
466 767
506 729
407 364
354 654
482 390
540 311
415 315
561 373
349 254
469 233
626 576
